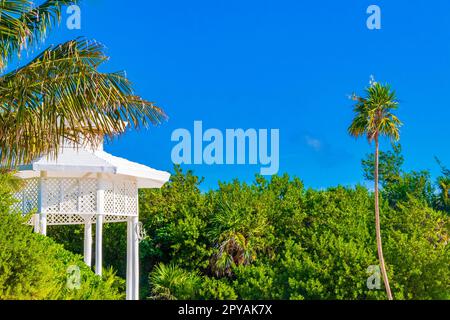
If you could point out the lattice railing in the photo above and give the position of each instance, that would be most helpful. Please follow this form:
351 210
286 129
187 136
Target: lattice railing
121 197
27 198
73 200
70 219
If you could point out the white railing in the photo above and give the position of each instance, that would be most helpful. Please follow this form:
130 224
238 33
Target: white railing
74 200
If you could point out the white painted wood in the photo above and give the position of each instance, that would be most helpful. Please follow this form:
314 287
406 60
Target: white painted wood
129 280
99 225
75 161
88 242
36 222
135 259
42 209
99 245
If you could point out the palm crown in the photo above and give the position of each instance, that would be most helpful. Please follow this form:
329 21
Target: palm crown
60 93
374 115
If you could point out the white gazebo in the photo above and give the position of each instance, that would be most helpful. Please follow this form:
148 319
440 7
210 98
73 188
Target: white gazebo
83 185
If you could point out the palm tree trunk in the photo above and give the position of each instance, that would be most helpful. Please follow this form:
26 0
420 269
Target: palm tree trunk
377 225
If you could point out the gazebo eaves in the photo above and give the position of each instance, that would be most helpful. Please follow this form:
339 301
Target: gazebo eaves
85 161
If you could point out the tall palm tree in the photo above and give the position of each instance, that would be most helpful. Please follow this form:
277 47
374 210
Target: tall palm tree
374 118
60 94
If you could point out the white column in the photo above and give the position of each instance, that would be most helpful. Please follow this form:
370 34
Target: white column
42 194
36 222
99 226
98 245
88 241
129 259
135 249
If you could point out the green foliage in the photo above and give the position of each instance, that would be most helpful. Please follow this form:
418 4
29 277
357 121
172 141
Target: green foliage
276 240
418 251
390 165
257 281
329 259
169 282
415 184
442 202
270 240
177 229
216 289
398 185
172 283
35 267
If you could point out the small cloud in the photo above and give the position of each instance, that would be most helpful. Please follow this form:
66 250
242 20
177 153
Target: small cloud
314 143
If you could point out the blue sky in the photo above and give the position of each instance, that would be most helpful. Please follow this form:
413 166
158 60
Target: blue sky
284 64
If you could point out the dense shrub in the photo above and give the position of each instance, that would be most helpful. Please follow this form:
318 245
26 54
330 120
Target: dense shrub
35 267
276 240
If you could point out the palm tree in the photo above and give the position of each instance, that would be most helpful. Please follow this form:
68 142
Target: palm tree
374 118
231 234
60 94
169 282
232 249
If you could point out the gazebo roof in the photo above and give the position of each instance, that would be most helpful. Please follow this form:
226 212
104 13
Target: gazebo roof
82 161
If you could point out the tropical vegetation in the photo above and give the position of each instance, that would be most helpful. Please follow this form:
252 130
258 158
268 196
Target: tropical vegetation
276 239
271 239
35 267
59 95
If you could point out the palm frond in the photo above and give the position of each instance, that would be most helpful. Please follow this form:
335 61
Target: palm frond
62 95
23 24
373 114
